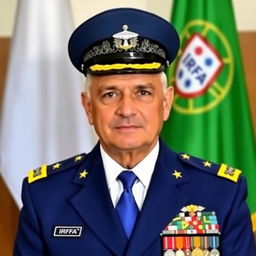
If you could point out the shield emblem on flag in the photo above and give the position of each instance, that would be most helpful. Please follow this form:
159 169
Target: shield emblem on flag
197 68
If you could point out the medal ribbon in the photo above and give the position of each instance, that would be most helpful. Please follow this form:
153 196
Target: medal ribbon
205 242
165 242
179 242
196 241
173 243
214 242
187 242
169 242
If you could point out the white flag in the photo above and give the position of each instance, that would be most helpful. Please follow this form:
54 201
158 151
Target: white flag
42 119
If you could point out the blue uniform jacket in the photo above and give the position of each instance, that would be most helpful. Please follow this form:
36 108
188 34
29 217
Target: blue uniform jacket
74 197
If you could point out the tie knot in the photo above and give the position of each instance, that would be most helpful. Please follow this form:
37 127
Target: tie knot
127 178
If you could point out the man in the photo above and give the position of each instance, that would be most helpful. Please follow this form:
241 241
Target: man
131 195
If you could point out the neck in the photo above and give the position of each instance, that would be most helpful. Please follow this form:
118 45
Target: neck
129 158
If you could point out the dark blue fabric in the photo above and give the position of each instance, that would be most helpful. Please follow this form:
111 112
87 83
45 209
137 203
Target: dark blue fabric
65 199
126 207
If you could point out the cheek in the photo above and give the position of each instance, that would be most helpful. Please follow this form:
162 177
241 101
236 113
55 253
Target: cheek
155 114
101 116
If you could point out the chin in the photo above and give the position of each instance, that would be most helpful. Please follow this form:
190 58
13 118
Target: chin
131 144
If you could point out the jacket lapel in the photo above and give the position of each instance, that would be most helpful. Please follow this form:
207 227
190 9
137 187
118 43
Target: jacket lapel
94 205
162 204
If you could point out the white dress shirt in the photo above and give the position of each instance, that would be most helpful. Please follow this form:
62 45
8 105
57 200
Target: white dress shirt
143 171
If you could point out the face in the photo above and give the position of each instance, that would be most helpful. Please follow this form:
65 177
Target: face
128 110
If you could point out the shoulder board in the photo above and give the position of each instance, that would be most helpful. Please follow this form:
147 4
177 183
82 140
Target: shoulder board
47 170
222 170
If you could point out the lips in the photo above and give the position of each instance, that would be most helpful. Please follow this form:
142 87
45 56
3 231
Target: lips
127 127
127 124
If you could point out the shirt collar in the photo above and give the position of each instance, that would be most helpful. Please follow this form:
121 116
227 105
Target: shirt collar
143 170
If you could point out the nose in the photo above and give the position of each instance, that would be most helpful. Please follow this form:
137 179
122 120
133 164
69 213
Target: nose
126 106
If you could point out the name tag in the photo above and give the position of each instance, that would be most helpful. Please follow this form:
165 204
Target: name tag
68 231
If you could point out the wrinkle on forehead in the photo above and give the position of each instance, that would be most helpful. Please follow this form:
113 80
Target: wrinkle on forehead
89 80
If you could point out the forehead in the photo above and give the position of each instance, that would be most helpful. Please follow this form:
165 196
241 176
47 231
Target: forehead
126 79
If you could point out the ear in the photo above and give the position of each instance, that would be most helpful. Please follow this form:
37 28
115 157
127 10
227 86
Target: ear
168 100
87 105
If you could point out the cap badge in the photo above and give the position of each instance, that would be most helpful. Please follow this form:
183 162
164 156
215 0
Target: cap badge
126 39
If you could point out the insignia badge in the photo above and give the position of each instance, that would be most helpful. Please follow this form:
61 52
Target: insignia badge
78 158
177 174
185 156
68 231
56 166
197 67
229 172
192 209
83 174
215 252
125 40
192 232
207 164
37 174
169 253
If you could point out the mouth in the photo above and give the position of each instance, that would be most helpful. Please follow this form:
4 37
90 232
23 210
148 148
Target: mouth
127 128
120 127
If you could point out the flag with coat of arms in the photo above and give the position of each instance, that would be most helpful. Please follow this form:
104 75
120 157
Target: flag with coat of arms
211 117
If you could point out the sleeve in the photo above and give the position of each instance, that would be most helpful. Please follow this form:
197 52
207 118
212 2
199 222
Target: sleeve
28 239
237 236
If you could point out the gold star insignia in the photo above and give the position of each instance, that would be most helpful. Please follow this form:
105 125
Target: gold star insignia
56 166
177 174
78 158
207 164
185 156
83 174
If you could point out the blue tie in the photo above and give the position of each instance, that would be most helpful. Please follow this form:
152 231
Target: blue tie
126 207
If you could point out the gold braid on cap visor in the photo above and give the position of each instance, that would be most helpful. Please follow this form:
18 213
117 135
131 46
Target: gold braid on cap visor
120 66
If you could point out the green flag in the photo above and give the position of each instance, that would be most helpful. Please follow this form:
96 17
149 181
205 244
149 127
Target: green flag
210 116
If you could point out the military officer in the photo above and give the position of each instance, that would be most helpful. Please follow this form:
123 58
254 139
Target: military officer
131 195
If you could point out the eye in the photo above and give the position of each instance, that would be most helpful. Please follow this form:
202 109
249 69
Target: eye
109 94
144 92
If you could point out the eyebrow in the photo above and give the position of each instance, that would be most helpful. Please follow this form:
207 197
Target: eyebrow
107 88
116 87
148 85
